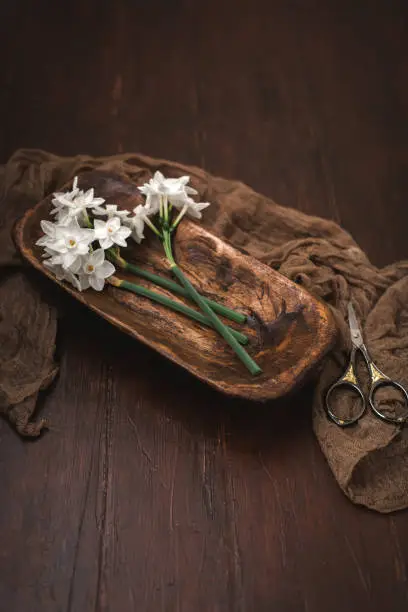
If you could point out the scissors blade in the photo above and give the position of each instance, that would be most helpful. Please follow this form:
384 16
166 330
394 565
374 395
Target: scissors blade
355 329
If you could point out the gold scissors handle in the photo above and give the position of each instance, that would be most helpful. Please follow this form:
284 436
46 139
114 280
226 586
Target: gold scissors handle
347 380
379 379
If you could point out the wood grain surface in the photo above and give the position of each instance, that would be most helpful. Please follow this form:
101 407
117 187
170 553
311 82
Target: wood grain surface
289 331
153 492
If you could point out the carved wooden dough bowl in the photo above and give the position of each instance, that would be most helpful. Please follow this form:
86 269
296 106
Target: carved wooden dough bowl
289 330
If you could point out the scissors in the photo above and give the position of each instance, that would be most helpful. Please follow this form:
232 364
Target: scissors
377 379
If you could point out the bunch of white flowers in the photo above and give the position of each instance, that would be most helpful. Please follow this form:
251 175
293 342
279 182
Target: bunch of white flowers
161 191
76 243
71 243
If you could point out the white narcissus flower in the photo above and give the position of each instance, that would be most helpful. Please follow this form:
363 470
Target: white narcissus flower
69 205
70 195
175 191
65 243
111 232
137 223
51 256
50 233
191 208
94 270
62 274
159 188
110 210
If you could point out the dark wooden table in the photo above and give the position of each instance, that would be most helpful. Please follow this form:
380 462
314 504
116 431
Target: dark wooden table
153 492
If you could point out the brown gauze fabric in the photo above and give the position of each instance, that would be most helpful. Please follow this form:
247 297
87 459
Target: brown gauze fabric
368 460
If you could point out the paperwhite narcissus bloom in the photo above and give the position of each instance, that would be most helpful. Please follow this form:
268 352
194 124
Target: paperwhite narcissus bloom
137 223
110 210
111 232
50 233
175 191
74 204
70 195
159 187
190 207
68 242
94 270
62 274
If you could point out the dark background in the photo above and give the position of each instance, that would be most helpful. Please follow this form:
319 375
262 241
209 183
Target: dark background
152 492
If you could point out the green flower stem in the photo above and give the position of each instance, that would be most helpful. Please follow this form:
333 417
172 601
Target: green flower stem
176 306
165 209
166 283
152 227
179 218
222 329
168 249
87 219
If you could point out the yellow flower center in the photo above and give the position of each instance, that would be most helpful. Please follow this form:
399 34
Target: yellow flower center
110 230
71 242
91 268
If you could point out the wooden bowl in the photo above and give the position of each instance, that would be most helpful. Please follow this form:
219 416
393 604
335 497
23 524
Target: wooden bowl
289 330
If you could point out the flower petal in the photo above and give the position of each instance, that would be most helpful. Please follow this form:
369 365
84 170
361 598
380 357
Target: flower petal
105 269
96 282
99 210
68 259
63 216
75 267
114 223
152 205
55 269
97 257
58 246
123 232
71 278
106 243
48 228
82 248
73 225
96 202
177 202
88 196
100 228
158 176
194 214
43 241
63 199
83 282
87 233
119 240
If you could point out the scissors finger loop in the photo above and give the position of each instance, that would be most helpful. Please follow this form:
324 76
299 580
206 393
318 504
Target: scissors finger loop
387 382
345 382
